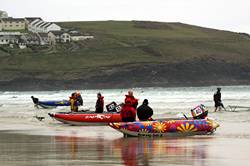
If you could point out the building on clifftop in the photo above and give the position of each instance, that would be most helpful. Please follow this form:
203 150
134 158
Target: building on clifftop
12 24
39 26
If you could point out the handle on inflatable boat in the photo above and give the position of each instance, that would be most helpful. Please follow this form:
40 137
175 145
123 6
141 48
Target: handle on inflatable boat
185 116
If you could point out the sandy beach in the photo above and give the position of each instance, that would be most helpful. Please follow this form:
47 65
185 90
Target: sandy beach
69 145
24 140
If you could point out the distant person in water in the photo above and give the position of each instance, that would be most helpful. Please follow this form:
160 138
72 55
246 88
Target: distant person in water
99 103
128 112
217 100
132 99
144 112
79 98
73 102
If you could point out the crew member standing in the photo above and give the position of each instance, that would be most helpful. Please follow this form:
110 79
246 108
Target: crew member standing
217 100
131 98
128 112
99 103
144 112
73 102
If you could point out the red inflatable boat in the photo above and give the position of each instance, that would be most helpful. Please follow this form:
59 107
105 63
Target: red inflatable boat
86 118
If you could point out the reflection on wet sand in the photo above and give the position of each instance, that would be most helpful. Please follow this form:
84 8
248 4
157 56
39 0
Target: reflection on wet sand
24 150
132 151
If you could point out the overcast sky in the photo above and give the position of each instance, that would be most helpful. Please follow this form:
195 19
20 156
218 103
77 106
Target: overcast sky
233 15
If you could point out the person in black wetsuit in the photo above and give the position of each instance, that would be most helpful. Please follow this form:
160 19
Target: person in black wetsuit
79 98
35 100
144 112
217 100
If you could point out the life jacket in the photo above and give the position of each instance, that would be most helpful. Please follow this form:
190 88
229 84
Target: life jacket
100 102
132 99
128 111
73 104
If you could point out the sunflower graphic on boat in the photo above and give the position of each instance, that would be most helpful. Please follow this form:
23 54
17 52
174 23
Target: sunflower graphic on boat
159 127
186 127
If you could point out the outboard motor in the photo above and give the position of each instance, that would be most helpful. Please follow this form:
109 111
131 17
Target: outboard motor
199 112
113 107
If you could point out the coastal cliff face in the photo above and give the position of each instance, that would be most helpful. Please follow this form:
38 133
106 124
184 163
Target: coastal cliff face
130 54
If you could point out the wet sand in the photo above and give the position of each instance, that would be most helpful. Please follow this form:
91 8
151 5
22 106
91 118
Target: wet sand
58 144
24 140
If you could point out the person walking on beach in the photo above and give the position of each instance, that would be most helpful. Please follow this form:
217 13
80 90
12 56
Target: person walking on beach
99 103
144 112
217 100
132 99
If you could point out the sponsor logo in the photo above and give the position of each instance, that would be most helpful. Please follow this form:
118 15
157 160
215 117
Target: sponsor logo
98 116
149 135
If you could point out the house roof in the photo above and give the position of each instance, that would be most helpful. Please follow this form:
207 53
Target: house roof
36 22
58 33
44 25
31 19
9 37
41 25
47 25
50 25
11 19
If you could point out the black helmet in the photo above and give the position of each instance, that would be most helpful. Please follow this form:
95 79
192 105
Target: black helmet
145 101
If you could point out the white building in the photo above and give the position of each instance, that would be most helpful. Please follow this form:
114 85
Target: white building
40 26
12 24
79 36
1 26
8 39
52 27
28 20
4 40
11 33
58 36
31 19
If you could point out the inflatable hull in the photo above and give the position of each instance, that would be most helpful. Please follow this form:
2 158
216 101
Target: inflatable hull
166 128
50 104
79 119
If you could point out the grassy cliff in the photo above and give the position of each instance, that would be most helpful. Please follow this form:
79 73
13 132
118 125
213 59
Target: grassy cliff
129 54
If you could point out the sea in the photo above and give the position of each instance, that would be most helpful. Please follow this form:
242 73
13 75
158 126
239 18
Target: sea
27 140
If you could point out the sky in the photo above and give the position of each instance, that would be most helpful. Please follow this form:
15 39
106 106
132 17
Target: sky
232 15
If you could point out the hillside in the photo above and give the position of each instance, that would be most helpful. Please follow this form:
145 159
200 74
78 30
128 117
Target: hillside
130 54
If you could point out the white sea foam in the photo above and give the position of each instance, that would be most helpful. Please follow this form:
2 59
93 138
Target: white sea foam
18 106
